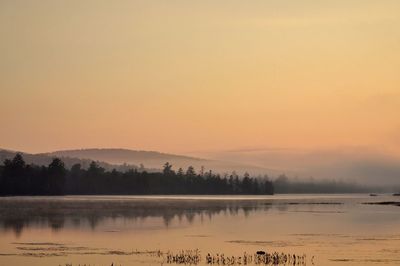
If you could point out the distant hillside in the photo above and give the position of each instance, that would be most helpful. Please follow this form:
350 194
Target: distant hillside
152 159
120 156
123 159
45 159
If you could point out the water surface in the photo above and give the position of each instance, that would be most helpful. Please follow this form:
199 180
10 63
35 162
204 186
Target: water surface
130 230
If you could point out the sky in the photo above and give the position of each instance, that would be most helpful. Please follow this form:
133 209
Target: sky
195 76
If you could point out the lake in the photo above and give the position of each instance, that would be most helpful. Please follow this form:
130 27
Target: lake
140 230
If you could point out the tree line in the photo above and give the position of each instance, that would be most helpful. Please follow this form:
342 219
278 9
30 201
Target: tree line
19 178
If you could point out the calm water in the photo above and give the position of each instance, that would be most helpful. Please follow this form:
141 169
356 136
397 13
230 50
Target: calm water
99 230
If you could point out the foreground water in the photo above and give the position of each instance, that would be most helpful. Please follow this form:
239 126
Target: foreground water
128 230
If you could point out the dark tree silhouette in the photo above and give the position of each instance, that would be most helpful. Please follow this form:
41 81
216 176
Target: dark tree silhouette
56 177
14 175
190 171
167 171
17 178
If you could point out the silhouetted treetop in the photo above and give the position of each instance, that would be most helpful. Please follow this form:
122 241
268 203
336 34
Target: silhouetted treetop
17 178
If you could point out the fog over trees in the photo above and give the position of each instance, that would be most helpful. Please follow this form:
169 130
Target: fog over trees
19 178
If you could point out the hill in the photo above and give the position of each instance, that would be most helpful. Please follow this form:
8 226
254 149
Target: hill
155 160
45 159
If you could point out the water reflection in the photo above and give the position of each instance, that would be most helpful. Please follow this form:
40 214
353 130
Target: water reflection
57 213
94 230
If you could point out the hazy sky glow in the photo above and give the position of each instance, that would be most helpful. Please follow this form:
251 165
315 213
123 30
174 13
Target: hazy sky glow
181 76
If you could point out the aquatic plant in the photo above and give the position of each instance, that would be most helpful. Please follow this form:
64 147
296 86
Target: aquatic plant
259 258
184 257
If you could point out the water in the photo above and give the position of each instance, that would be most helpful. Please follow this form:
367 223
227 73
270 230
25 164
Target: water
129 230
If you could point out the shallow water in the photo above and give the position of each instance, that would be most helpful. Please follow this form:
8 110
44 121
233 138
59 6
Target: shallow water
130 230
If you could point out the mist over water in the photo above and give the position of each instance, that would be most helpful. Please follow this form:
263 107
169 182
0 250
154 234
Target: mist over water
227 118
362 165
335 229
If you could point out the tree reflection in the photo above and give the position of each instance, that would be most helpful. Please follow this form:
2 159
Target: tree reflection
58 213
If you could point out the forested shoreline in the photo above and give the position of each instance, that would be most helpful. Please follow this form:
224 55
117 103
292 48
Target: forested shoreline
19 178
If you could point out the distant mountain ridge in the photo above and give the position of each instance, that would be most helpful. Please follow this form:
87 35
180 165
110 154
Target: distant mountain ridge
120 156
45 159
155 160
124 159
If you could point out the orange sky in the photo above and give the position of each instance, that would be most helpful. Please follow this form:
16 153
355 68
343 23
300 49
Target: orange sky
183 76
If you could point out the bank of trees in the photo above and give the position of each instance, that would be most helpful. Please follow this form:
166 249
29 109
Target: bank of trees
18 178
